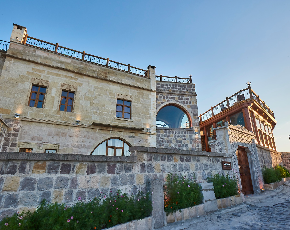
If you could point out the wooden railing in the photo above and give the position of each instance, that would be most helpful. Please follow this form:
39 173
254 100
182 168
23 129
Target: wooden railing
241 95
176 79
4 45
83 56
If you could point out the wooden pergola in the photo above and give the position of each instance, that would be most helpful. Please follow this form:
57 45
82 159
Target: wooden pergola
257 117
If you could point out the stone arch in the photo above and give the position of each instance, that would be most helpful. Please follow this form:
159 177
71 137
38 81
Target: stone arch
178 106
113 146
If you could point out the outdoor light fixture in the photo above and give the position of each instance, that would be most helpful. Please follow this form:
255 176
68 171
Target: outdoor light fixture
78 122
248 83
16 115
148 130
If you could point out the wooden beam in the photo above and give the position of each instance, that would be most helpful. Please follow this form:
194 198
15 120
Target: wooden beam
247 119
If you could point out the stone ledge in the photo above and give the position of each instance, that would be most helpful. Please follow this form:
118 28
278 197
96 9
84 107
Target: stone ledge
142 224
275 185
64 157
175 151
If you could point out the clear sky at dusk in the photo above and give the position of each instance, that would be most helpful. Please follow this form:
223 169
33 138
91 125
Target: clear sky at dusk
221 43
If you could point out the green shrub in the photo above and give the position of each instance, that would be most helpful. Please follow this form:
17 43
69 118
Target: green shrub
283 171
181 193
97 214
224 186
271 175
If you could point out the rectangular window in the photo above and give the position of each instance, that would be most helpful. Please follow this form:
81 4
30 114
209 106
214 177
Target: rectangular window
25 150
50 151
123 109
37 96
66 102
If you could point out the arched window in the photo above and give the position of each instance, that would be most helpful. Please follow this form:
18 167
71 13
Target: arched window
172 117
112 147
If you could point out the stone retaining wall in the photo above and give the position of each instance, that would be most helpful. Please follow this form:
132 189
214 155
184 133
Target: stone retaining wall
27 178
286 159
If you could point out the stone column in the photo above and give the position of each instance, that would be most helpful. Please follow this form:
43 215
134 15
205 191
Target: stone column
18 33
158 214
152 122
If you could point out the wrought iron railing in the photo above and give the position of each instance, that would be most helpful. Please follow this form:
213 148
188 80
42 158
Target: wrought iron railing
176 79
241 95
4 45
56 48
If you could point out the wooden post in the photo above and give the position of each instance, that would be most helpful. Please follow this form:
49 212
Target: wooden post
250 91
228 102
228 119
247 119
129 68
205 139
108 60
56 47
160 77
212 111
175 78
83 57
214 131
255 127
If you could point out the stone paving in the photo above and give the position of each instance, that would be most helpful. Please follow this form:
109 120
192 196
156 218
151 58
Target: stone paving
268 210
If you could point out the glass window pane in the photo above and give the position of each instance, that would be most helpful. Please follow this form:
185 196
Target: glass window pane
127 109
119 108
70 101
71 95
128 103
63 101
62 107
39 104
35 88
31 104
64 93
101 150
111 142
68 109
127 115
120 101
33 96
118 143
119 114
42 90
41 97
110 152
119 152
126 150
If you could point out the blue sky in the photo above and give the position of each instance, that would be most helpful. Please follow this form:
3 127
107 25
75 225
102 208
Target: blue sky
221 43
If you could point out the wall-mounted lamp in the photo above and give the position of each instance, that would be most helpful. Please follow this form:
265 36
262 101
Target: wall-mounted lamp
148 130
248 83
78 122
16 115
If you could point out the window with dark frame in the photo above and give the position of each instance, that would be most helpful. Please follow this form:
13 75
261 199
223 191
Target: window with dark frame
25 150
123 109
112 147
66 102
37 96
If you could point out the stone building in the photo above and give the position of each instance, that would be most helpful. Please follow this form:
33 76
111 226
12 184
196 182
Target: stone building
242 127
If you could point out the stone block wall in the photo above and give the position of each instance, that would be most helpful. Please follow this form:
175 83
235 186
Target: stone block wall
3 131
185 139
286 159
27 178
9 133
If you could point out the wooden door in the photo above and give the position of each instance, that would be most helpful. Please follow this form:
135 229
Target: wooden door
247 186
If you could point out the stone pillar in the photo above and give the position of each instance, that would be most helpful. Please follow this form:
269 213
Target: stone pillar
158 214
152 123
18 33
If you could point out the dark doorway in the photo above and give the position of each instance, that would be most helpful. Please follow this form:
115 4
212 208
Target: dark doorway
247 186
